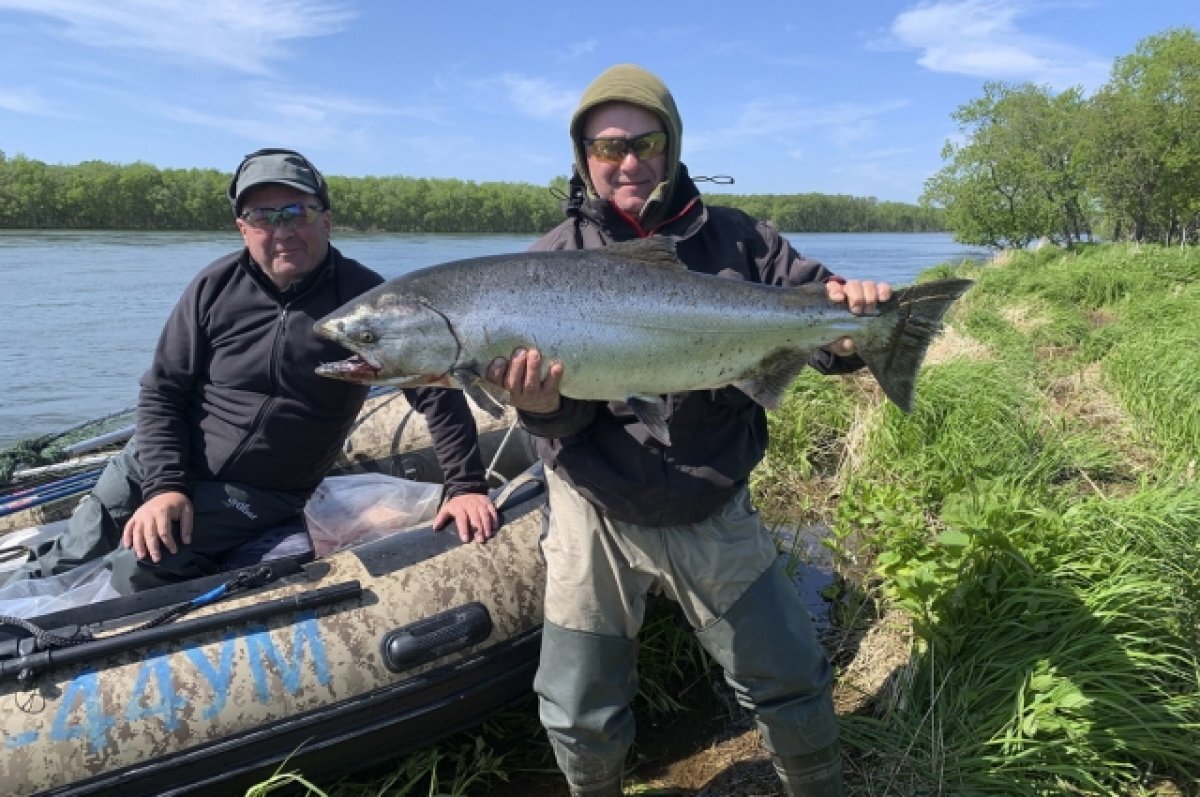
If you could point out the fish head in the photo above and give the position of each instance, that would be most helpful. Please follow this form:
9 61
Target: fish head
396 340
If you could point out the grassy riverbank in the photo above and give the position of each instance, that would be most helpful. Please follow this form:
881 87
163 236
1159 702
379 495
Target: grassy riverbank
1030 535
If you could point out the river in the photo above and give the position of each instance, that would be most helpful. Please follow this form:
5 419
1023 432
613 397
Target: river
80 311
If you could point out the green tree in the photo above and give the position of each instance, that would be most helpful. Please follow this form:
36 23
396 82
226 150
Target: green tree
1143 141
1019 174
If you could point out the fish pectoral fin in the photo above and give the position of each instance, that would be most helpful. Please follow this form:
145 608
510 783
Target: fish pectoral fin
490 397
771 379
651 411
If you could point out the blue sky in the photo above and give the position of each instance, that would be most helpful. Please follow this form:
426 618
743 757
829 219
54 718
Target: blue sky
787 96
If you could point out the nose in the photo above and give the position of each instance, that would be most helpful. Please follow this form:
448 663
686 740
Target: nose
630 161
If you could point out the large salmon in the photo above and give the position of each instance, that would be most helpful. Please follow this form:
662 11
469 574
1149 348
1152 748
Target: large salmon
629 322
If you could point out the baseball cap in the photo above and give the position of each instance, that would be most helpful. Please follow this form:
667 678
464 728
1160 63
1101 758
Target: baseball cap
282 166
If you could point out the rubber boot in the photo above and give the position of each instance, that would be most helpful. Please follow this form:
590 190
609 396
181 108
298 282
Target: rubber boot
773 662
815 774
585 683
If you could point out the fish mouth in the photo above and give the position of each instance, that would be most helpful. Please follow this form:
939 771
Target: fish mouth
361 371
352 369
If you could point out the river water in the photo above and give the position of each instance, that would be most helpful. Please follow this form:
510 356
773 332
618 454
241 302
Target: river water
80 311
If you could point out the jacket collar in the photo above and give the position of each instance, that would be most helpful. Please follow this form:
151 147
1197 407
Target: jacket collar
683 218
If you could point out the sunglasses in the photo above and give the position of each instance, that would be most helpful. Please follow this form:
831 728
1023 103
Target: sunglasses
290 216
614 150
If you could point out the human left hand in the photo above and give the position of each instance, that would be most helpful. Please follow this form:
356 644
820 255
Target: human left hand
862 297
473 514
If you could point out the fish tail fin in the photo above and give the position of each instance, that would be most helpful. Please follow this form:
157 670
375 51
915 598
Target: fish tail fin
893 345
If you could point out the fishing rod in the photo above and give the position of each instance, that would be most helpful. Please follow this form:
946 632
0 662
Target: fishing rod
21 492
25 667
53 492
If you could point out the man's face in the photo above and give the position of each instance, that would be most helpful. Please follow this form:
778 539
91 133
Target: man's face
293 248
627 183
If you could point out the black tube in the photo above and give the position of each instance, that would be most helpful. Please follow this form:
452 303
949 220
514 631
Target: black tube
35 663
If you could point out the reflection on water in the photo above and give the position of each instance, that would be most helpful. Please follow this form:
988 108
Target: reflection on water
80 311
811 565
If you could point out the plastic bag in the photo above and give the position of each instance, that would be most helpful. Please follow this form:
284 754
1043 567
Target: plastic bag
87 583
359 507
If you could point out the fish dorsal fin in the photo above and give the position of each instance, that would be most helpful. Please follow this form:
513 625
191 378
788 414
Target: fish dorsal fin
489 397
655 251
651 411
774 375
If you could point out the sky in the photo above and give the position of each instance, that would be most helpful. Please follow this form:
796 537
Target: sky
786 96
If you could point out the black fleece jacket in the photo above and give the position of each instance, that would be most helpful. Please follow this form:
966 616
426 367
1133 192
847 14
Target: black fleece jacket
232 394
717 436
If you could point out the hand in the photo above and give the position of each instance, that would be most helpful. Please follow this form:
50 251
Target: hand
862 297
521 376
473 514
150 528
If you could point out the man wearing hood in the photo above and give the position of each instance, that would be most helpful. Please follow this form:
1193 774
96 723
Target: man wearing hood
630 515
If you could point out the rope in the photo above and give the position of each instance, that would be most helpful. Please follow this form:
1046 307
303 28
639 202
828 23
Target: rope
491 468
247 579
46 639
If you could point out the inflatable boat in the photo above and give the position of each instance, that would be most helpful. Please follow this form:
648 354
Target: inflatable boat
320 667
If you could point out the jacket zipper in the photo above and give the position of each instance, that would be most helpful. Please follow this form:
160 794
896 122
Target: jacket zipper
265 409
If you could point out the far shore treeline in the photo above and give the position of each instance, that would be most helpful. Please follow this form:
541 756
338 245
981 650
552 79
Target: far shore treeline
96 195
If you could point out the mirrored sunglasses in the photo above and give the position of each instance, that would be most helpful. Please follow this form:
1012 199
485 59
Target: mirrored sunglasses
614 150
290 216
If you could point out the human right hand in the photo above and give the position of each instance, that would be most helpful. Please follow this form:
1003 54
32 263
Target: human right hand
150 528
521 376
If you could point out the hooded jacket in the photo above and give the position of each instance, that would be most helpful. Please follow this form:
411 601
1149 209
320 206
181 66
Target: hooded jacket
232 394
717 436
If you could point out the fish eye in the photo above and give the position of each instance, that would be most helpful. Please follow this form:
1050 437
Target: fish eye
366 336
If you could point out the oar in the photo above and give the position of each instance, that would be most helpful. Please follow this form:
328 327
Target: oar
100 441
63 491
43 486
42 470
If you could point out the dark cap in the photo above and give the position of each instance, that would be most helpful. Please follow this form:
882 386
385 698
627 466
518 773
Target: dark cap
281 166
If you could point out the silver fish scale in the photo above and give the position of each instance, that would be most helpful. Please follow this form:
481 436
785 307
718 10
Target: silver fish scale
620 327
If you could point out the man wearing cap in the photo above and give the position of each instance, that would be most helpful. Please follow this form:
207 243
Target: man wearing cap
234 427
630 516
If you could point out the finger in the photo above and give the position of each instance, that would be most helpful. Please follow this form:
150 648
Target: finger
515 378
440 519
166 534
150 543
843 347
495 371
186 520
466 530
885 291
533 370
553 376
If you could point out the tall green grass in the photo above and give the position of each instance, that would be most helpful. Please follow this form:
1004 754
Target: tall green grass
1057 620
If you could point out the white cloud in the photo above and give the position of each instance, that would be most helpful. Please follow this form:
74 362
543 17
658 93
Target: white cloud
982 38
785 119
578 49
538 98
239 36
24 101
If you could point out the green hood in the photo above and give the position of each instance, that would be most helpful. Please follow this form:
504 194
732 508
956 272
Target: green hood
633 85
